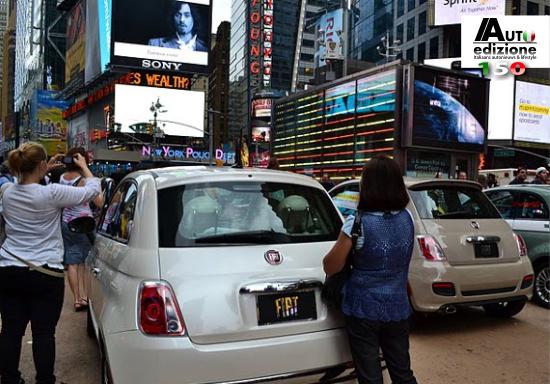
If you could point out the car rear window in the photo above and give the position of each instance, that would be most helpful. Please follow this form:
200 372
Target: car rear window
244 213
453 203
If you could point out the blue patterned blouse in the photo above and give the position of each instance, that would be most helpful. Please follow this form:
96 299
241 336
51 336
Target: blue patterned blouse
377 288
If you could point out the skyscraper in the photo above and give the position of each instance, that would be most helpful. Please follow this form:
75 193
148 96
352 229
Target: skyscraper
262 53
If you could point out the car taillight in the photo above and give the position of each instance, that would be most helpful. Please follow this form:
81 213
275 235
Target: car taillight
159 312
430 248
522 248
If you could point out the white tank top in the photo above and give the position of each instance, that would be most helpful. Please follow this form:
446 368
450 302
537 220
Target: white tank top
81 210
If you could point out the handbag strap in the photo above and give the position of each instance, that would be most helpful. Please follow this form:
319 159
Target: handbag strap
36 268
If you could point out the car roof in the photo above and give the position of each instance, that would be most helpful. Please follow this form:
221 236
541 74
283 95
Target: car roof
172 176
539 188
413 183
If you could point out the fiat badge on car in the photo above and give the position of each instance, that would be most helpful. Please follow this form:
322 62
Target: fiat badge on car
273 257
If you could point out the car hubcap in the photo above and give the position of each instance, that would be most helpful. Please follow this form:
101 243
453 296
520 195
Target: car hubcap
542 285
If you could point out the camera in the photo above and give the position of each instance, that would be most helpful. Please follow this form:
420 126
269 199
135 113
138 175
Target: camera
67 160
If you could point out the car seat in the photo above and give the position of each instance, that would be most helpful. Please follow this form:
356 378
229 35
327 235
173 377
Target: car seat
199 215
295 213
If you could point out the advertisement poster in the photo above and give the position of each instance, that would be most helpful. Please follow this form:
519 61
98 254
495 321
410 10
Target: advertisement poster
47 123
181 113
161 34
75 59
261 107
77 133
330 31
532 114
450 11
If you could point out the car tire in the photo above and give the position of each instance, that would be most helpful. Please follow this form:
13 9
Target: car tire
541 285
505 308
90 331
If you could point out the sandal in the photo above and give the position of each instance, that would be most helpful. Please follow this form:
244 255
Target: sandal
79 307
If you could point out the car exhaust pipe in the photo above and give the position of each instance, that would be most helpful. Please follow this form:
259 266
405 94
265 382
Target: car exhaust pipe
449 309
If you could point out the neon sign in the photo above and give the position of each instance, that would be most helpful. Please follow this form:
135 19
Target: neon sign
188 153
261 40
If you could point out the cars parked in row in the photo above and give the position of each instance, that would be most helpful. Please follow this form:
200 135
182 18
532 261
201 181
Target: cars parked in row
209 275
465 253
526 209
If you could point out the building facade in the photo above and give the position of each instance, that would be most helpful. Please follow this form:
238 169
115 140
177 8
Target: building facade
218 91
262 54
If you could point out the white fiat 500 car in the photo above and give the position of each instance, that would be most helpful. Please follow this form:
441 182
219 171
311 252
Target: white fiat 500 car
213 275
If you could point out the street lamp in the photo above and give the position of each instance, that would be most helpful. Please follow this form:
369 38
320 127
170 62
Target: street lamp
156 109
387 48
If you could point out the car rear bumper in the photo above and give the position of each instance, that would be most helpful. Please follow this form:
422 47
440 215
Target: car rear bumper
136 358
473 284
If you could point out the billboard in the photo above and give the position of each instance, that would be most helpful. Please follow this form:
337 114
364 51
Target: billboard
532 113
450 11
75 58
261 107
181 112
47 121
77 132
165 35
330 29
98 37
449 110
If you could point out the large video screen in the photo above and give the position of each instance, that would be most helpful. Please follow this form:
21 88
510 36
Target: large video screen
181 113
532 114
449 110
166 35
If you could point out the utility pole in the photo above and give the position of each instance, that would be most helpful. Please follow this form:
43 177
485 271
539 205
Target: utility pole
389 49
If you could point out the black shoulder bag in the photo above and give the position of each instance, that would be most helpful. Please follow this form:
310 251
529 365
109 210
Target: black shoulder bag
331 292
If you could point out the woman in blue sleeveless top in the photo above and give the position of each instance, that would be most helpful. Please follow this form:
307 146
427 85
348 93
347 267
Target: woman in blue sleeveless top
374 299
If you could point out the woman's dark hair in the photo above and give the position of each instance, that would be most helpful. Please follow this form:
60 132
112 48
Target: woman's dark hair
175 7
71 153
382 186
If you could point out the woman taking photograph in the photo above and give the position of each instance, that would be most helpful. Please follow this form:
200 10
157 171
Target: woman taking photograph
31 259
374 299
77 245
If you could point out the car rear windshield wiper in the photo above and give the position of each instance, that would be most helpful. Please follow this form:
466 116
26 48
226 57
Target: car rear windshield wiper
254 237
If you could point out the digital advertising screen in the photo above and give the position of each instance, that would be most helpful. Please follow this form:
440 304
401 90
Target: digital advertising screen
261 107
75 42
532 113
98 38
167 35
181 113
261 133
449 110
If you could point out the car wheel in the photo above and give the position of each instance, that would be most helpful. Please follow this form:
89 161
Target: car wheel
90 325
505 308
541 290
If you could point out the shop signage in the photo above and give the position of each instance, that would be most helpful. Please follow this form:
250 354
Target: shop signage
261 40
148 79
188 153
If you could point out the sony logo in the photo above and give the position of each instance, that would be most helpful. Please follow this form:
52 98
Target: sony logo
156 64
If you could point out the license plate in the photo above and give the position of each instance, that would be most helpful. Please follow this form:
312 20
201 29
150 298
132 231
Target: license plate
486 250
281 308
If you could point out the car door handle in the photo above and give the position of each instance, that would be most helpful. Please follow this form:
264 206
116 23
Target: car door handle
95 271
280 286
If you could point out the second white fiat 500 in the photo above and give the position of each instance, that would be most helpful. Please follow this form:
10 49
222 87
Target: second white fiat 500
210 275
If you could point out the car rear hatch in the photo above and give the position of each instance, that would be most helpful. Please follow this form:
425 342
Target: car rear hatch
464 222
245 259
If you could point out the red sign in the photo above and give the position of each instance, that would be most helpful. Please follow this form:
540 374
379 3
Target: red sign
261 40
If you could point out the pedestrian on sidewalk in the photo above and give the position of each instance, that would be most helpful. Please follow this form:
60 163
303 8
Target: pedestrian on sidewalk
31 269
374 298
77 245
